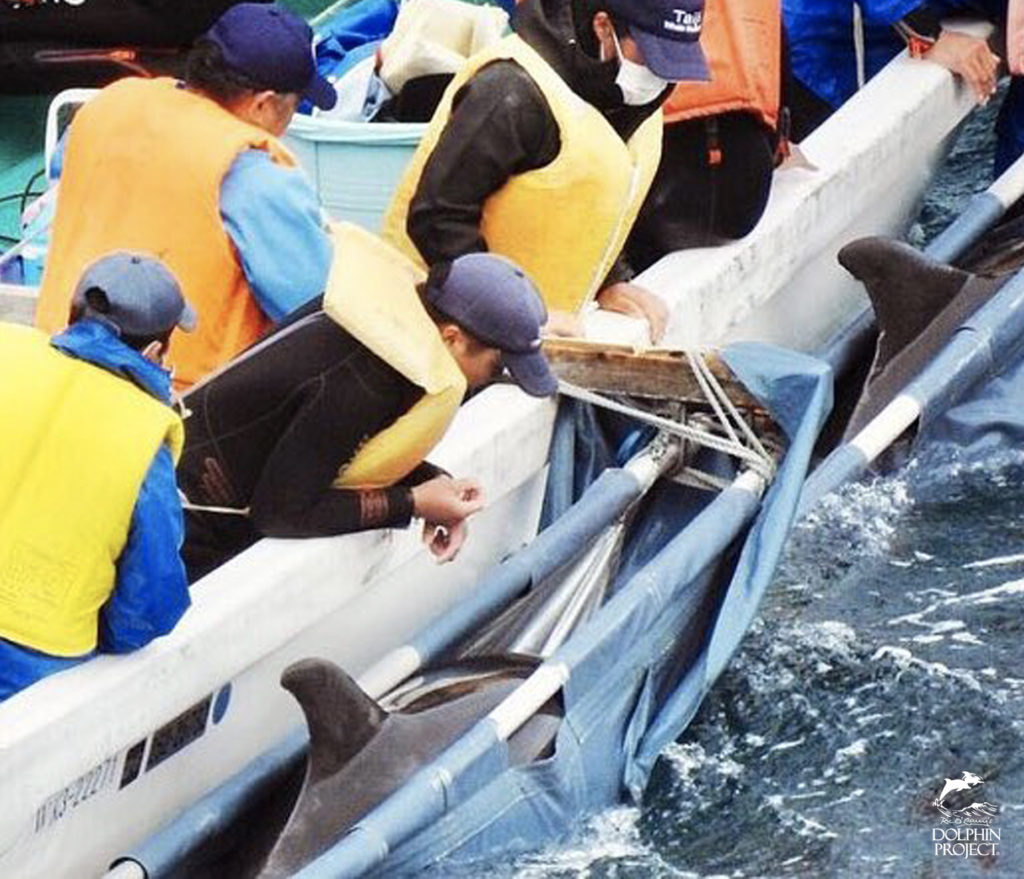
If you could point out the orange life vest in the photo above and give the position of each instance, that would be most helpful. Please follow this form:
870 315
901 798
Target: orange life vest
742 42
142 171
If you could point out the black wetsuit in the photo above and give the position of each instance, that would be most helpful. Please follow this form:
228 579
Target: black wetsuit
501 125
697 200
271 431
714 178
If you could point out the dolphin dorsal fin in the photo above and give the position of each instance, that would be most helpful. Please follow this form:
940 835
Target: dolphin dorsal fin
907 290
341 718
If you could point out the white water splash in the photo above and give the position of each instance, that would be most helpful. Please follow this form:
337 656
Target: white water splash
946 463
906 661
1013 589
853 751
785 746
795 822
829 636
688 759
995 561
864 513
956 629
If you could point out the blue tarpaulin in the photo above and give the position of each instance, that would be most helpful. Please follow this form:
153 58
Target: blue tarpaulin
990 420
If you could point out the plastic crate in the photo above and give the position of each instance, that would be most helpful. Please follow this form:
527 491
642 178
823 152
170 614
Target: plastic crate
355 166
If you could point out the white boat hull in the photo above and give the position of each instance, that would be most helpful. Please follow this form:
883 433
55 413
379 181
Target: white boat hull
67 744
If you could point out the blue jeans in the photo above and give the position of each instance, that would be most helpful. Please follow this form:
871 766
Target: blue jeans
22 666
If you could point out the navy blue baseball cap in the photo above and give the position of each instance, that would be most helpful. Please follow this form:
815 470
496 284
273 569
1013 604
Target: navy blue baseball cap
668 34
273 47
491 298
134 294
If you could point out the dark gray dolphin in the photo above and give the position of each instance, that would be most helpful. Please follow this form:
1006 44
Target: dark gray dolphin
359 753
918 304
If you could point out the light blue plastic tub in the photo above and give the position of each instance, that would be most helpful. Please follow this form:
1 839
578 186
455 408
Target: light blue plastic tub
355 166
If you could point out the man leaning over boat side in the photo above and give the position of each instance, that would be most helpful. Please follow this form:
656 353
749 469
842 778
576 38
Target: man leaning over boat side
545 144
823 55
92 525
195 172
324 426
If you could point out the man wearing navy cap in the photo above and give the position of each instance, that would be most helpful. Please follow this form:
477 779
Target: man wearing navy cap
92 526
545 144
324 427
195 172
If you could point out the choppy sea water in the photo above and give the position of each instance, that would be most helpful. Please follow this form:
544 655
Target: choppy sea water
888 656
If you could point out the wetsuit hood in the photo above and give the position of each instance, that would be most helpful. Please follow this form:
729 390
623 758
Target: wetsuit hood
561 33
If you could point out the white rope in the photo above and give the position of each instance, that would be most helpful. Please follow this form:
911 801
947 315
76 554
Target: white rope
713 390
739 441
696 367
757 461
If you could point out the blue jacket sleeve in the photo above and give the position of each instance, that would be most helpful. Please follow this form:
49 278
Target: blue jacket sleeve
273 217
151 591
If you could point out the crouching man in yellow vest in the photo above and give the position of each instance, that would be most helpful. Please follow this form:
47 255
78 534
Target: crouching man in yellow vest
544 145
324 426
90 520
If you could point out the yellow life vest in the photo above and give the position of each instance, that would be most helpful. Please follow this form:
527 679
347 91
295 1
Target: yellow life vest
78 442
371 293
567 222
742 43
142 171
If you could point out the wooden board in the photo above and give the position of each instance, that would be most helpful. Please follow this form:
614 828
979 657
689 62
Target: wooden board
656 373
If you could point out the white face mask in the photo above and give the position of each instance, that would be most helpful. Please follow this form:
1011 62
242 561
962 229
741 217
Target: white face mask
638 84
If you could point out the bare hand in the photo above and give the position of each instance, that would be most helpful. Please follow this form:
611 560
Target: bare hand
446 501
637 302
968 57
444 542
562 323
